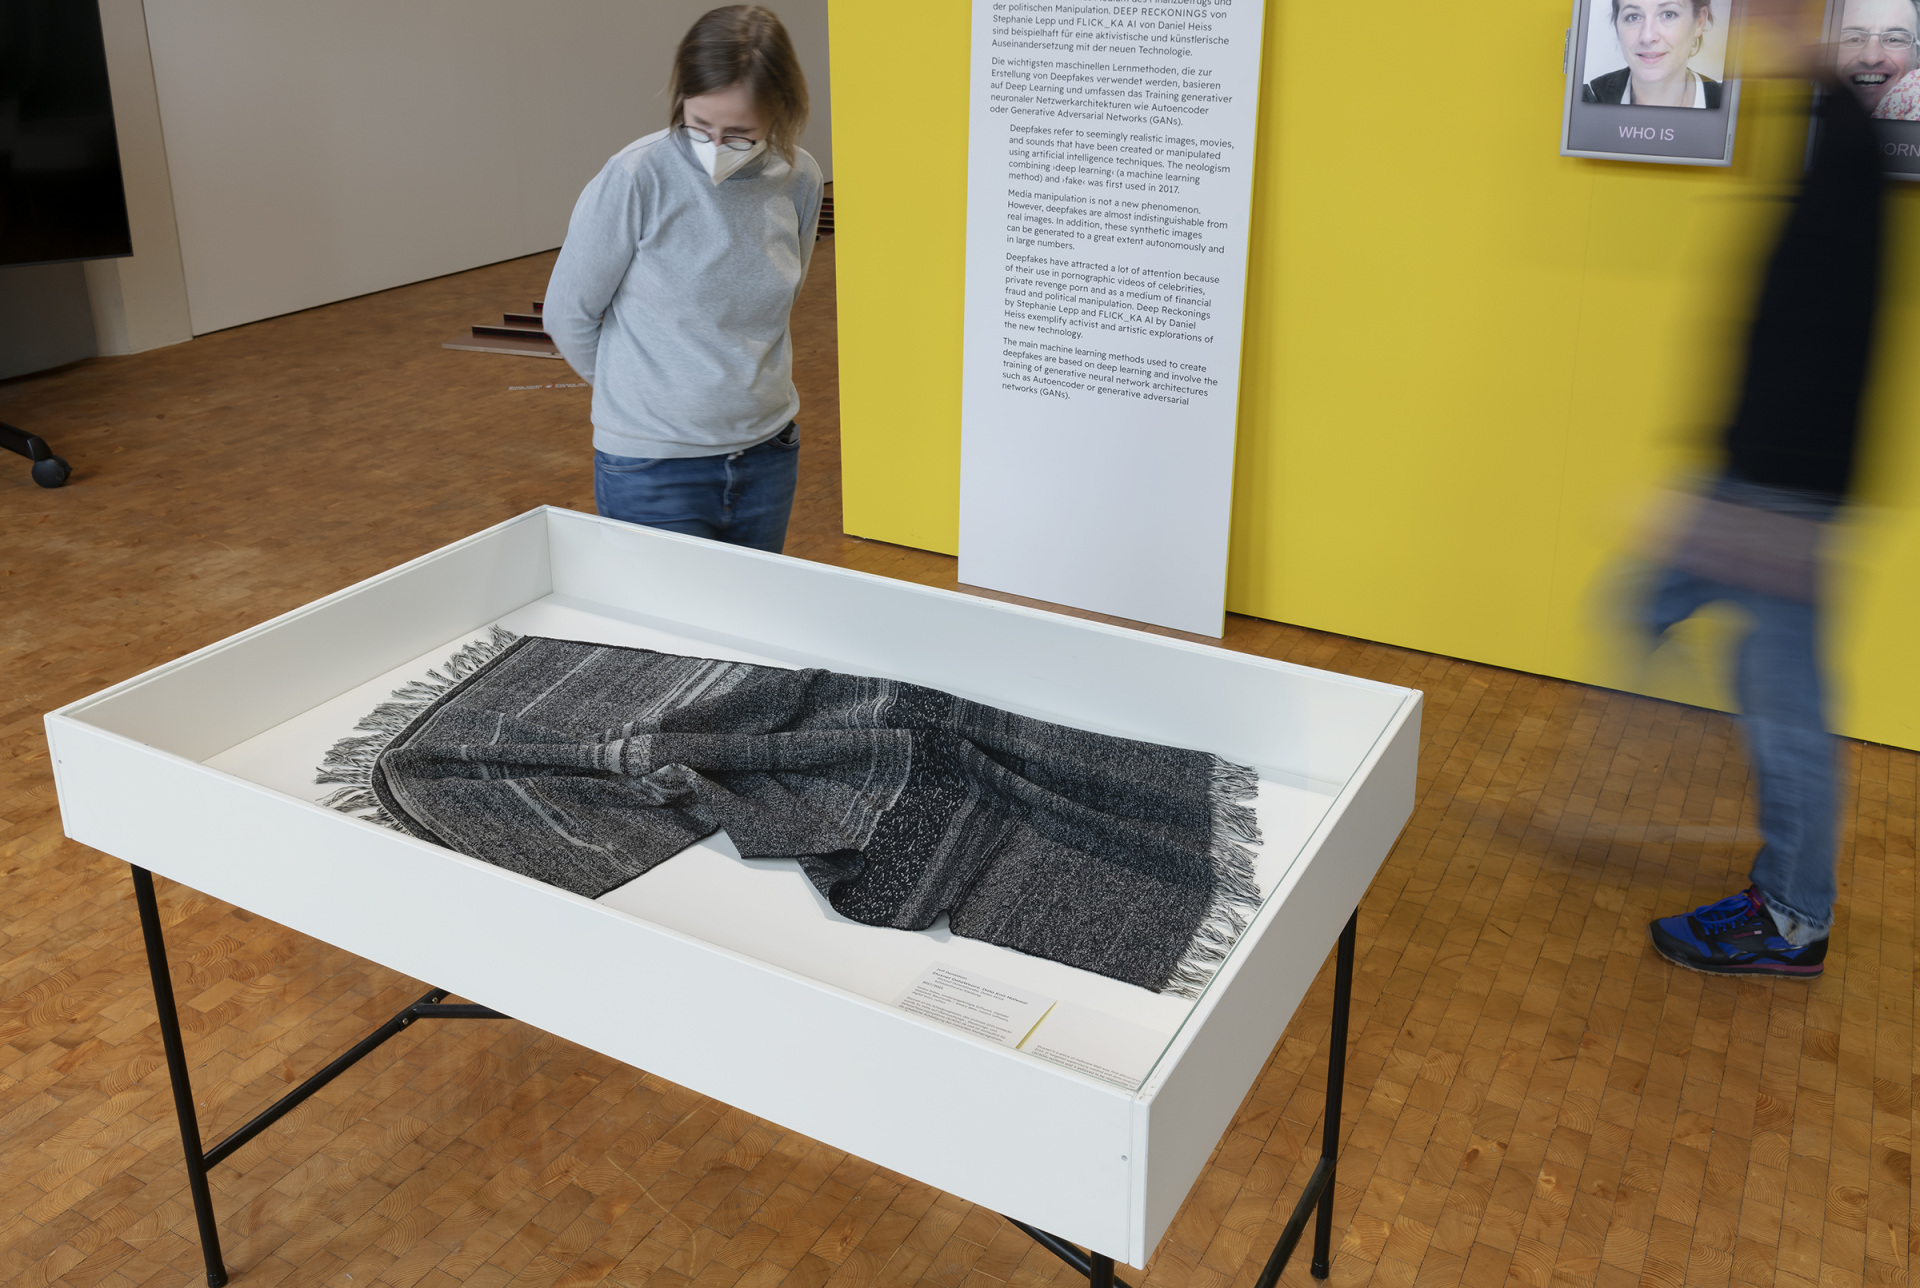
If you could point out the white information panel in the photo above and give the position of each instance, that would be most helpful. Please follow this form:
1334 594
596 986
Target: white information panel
1110 167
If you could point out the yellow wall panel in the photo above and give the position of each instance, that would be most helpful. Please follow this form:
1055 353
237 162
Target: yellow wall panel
1471 364
900 213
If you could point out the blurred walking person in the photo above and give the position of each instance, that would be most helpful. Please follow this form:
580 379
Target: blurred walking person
1787 469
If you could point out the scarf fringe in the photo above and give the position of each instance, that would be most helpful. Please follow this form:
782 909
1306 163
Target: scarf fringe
1236 894
351 760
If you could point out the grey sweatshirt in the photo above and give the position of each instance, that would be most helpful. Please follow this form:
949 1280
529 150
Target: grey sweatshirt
671 297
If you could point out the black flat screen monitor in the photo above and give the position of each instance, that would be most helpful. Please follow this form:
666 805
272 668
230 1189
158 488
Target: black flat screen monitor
60 191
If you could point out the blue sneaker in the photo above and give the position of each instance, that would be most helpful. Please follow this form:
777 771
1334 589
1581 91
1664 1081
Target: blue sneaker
1734 937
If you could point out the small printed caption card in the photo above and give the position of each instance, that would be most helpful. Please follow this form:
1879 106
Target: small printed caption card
1100 1046
1086 1041
975 1004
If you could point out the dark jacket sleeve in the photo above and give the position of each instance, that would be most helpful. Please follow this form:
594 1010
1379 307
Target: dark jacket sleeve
1797 423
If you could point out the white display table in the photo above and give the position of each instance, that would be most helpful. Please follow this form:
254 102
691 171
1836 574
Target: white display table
732 977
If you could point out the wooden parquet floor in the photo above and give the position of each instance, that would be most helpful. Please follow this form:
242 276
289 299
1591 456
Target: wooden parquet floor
1532 1095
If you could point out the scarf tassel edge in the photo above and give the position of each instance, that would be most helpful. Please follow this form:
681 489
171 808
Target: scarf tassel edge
350 761
1236 894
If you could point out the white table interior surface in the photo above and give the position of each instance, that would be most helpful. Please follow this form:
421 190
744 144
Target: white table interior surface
766 908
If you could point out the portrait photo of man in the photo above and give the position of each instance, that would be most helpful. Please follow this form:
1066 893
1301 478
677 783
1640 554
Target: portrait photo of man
1877 58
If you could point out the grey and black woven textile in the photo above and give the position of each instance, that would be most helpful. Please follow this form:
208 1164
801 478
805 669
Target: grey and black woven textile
585 765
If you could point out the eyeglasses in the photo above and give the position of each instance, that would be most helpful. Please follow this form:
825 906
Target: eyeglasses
731 142
1895 41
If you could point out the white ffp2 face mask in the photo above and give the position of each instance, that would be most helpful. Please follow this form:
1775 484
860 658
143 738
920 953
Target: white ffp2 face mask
722 162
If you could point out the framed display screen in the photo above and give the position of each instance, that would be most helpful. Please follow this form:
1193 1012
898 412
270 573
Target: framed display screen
1876 48
60 191
1646 81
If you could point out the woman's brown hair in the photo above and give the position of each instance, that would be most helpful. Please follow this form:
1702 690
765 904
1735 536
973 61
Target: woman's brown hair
1699 7
744 44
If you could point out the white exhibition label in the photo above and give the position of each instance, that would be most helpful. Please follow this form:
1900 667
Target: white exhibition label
975 1004
1110 171
1099 1046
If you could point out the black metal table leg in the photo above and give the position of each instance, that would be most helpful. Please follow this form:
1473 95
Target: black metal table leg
1097 1268
430 1006
177 1073
1317 1198
1336 1082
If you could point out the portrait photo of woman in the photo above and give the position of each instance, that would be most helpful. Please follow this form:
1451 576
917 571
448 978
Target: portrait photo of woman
1667 48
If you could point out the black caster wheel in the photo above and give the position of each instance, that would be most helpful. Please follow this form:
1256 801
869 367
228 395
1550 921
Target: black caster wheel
52 472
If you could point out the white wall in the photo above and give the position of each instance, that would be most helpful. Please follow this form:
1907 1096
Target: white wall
139 303
53 314
806 22
322 149
45 322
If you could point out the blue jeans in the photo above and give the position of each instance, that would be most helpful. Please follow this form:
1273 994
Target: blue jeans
1781 692
743 498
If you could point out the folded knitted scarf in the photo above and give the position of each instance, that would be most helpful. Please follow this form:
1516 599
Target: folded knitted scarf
585 765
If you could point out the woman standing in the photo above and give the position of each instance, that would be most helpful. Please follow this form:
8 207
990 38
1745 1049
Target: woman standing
672 294
1657 37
